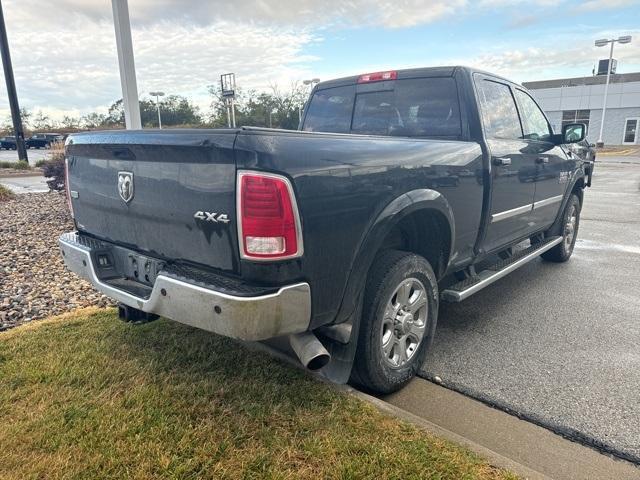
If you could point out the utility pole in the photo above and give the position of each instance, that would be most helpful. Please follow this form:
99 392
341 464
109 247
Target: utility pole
126 63
11 90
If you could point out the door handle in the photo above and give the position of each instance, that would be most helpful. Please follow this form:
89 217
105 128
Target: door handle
542 160
502 161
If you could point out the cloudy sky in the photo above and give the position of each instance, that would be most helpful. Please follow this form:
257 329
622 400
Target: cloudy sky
65 61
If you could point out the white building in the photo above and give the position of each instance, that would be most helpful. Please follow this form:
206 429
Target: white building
580 99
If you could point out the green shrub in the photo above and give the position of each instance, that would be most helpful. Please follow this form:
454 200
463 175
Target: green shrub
21 165
54 167
5 193
40 162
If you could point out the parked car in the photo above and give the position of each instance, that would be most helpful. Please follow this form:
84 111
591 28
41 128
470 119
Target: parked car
43 140
401 191
8 143
586 152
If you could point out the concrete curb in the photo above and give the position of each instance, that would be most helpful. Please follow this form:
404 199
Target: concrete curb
492 457
29 173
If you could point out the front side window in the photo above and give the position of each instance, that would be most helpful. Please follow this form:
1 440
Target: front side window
534 123
499 114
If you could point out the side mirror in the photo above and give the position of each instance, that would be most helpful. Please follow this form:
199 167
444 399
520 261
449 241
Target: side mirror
574 132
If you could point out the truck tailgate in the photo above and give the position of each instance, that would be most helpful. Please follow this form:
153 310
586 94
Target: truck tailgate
168 193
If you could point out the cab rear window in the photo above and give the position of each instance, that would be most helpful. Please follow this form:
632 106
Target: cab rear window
420 107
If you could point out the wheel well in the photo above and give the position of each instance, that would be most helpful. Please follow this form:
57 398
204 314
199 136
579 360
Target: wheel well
425 233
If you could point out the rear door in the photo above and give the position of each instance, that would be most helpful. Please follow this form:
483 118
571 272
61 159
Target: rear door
512 170
552 166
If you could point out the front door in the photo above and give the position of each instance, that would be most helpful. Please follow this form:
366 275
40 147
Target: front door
630 131
553 167
513 173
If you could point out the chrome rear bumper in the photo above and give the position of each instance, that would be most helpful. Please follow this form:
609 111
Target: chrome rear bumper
284 312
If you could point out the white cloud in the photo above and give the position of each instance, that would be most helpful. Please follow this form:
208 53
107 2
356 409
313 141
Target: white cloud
539 63
68 65
387 13
65 61
601 5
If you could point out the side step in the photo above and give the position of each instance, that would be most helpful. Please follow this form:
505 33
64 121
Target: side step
464 289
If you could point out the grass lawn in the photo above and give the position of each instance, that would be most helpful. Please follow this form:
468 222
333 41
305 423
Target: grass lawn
87 396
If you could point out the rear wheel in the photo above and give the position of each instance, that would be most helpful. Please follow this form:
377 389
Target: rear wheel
569 231
398 322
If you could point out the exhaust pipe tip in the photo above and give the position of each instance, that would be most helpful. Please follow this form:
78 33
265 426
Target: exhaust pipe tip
318 362
309 350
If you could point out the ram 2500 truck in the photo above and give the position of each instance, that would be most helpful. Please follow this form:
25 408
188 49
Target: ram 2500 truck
402 189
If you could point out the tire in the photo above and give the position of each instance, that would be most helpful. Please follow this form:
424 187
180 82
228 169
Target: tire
380 365
568 228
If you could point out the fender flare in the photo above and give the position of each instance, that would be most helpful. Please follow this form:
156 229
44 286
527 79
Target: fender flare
578 174
391 215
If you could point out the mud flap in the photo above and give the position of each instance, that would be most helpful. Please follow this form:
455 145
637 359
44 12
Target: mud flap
342 355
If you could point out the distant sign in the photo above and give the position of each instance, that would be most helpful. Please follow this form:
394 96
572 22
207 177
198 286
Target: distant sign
228 84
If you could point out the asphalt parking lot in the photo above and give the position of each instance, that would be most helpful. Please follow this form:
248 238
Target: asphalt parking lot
33 154
558 344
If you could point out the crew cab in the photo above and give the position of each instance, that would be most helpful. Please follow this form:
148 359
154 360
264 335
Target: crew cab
401 189
43 140
8 143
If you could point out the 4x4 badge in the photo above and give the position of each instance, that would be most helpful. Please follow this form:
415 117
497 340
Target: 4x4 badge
212 217
125 186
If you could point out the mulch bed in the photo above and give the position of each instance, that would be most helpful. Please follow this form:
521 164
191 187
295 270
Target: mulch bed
34 283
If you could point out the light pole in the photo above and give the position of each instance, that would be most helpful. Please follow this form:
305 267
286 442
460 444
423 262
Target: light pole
601 43
158 94
127 65
11 91
311 82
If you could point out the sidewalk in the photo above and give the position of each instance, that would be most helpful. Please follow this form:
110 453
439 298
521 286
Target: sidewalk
24 183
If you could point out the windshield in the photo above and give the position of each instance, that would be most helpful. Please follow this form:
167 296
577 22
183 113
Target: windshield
419 107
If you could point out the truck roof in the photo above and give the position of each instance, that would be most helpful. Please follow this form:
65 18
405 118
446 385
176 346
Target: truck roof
446 71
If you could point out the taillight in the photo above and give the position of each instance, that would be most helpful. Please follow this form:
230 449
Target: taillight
268 219
67 187
378 76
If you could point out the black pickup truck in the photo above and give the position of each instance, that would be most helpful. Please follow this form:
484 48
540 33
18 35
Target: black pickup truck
401 190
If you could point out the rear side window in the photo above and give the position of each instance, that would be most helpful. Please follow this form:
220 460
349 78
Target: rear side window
421 107
499 115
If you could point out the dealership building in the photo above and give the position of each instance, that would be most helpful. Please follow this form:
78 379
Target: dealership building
569 100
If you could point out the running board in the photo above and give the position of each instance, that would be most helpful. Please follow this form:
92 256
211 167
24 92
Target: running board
464 289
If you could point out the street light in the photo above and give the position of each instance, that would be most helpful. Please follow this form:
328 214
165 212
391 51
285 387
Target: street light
312 82
601 43
158 94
